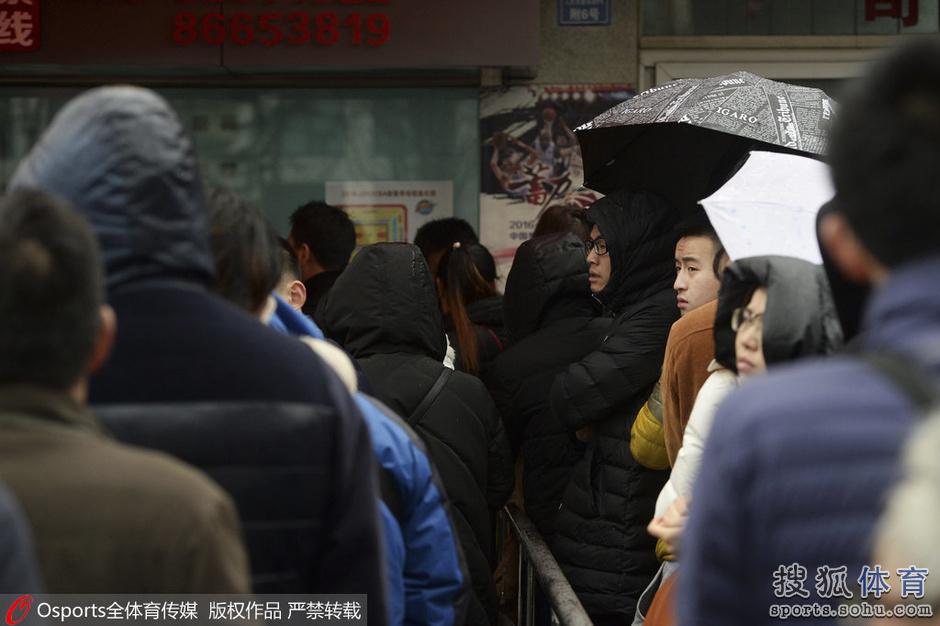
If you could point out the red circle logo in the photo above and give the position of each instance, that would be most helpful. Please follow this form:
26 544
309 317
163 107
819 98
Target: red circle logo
19 609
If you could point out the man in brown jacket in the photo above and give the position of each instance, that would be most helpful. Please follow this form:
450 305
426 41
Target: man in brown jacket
657 431
106 518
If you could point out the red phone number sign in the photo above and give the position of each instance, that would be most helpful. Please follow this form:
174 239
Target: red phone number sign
286 24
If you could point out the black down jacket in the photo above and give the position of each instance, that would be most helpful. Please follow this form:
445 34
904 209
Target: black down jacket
801 317
600 535
384 311
553 323
120 156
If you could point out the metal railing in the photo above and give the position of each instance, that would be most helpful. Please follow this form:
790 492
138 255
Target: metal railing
538 570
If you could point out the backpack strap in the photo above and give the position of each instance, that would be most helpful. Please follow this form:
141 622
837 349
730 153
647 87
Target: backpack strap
908 376
431 396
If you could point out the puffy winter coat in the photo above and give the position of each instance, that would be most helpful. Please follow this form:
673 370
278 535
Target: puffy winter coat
600 530
383 310
120 156
426 575
423 557
553 323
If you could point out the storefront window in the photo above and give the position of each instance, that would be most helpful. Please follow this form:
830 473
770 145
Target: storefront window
789 17
279 147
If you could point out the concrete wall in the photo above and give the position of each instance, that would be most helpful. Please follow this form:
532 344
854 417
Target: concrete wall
589 54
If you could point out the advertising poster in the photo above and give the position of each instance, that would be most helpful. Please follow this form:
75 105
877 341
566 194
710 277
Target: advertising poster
391 210
531 159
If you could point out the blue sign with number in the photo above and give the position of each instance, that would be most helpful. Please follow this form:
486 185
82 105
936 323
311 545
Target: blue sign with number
583 12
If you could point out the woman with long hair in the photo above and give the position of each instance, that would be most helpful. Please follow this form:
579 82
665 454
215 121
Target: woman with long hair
472 306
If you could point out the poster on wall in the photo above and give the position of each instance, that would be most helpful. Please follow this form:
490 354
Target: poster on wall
391 210
531 159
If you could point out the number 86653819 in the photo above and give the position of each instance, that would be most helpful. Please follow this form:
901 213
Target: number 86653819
270 29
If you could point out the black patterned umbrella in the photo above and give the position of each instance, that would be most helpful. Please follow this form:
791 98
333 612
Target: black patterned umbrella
685 138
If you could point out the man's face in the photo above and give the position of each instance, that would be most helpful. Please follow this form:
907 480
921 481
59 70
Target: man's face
598 264
696 283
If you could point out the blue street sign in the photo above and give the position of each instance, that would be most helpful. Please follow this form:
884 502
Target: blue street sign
583 12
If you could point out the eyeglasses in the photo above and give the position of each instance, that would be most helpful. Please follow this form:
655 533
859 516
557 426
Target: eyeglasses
598 245
742 317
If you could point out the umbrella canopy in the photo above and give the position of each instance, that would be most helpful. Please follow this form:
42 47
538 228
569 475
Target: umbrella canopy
683 139
769 207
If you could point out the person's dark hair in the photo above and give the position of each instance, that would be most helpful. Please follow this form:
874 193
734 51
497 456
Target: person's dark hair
463 284
438 235
700 226
483 260
290 261
327 230
247 255
562 218
51 291
885 155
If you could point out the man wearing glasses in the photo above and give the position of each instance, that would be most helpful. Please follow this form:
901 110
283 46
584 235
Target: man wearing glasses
600 539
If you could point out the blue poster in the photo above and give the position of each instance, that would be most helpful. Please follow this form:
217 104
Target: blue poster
583 12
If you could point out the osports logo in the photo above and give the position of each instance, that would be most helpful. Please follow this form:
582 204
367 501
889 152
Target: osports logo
19 609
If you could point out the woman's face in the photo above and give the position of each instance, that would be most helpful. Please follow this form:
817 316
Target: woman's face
748 346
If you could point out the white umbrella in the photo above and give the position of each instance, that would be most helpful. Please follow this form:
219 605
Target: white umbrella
769 207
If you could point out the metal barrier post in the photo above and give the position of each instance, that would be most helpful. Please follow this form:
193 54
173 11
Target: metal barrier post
538 566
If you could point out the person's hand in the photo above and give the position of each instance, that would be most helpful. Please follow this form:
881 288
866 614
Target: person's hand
669 526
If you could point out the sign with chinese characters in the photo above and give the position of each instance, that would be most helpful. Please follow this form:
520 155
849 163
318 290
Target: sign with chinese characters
166 610
530 158
893 9
266 36
833 597
391 210
19 25
583 12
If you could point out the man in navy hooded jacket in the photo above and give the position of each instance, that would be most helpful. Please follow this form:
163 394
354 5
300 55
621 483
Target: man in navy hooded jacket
120 156
798 464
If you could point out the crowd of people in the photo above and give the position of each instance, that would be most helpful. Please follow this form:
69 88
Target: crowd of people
190 403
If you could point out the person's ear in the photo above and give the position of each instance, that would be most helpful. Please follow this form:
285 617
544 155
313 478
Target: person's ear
104 341
296 294
851 257
303 254
723 262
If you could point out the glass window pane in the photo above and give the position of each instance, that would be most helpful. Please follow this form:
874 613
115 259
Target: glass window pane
277 147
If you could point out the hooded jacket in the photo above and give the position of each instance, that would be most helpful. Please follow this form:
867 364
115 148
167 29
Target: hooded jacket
383 310
801 318
120 156
426 575
553 323
600 530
